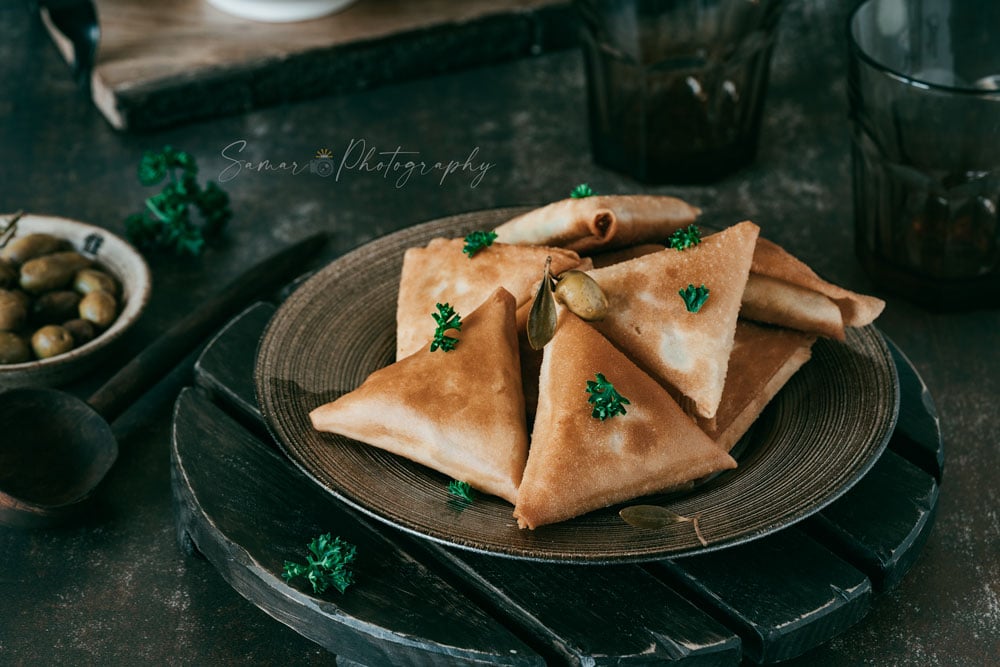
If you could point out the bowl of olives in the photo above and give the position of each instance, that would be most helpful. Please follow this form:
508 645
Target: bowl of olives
68 291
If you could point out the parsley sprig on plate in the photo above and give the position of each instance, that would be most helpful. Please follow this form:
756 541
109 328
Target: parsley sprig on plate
477 241
461 490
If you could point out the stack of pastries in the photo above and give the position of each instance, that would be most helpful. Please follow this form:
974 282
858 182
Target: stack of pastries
519 423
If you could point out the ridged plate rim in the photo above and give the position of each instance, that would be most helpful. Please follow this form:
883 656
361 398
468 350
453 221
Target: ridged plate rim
816 439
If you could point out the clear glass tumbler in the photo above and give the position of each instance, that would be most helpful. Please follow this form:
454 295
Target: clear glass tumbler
676 88
924 98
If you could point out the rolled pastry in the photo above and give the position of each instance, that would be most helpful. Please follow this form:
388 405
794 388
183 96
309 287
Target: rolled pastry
599 221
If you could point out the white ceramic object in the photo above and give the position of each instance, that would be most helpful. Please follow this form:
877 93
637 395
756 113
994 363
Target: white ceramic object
113 254
280 11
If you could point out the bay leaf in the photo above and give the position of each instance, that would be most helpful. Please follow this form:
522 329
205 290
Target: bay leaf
653 517
542 316
650 516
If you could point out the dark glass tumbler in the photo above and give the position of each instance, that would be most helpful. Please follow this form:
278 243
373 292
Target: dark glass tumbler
676 88
924 97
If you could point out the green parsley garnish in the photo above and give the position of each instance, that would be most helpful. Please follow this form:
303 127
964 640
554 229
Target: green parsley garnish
446 319
581 191
461 490
694 297
477 241
328 564
167 222
605 398
685 237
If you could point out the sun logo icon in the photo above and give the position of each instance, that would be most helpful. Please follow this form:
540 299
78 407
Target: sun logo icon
322 164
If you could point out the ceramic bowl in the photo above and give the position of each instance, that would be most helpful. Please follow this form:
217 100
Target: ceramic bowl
114 255
281 11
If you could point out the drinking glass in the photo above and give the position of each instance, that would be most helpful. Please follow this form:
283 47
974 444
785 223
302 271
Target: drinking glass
675 88
924 99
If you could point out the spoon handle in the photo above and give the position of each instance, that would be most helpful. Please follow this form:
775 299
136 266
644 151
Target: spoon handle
148 366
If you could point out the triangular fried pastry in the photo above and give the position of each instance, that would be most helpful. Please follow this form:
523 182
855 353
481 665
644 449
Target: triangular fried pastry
579 463
649 320
460 412
763 359
784 291
441 273
773 261
774 301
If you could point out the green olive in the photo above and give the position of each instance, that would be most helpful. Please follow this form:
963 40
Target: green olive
83 331
30 246
23 297
13 349
98 307
8 275
55 307
51 272
90 280
582 295
13 313
51 340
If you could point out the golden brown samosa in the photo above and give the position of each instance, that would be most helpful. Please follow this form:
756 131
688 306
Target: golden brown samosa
649 320
460 412
441 273
579 463
789 293
763 359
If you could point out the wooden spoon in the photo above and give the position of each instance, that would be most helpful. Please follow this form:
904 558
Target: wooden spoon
55 448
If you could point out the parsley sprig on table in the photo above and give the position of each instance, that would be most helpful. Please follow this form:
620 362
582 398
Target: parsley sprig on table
581 191
327 564
605 398
694 297
167 221
477 241
685 237
446 319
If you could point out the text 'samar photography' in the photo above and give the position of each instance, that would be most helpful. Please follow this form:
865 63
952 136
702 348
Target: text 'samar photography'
397 166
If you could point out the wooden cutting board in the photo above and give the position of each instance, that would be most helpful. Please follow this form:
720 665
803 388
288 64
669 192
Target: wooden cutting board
162 63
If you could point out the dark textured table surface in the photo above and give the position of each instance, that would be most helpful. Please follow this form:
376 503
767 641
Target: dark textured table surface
116 589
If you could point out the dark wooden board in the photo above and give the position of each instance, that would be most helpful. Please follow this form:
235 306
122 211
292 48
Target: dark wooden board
783 594
221 369
764 601
918 434
155 58
882 522
582 614
261 512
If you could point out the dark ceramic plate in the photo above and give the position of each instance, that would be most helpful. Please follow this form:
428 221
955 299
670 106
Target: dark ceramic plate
820 435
